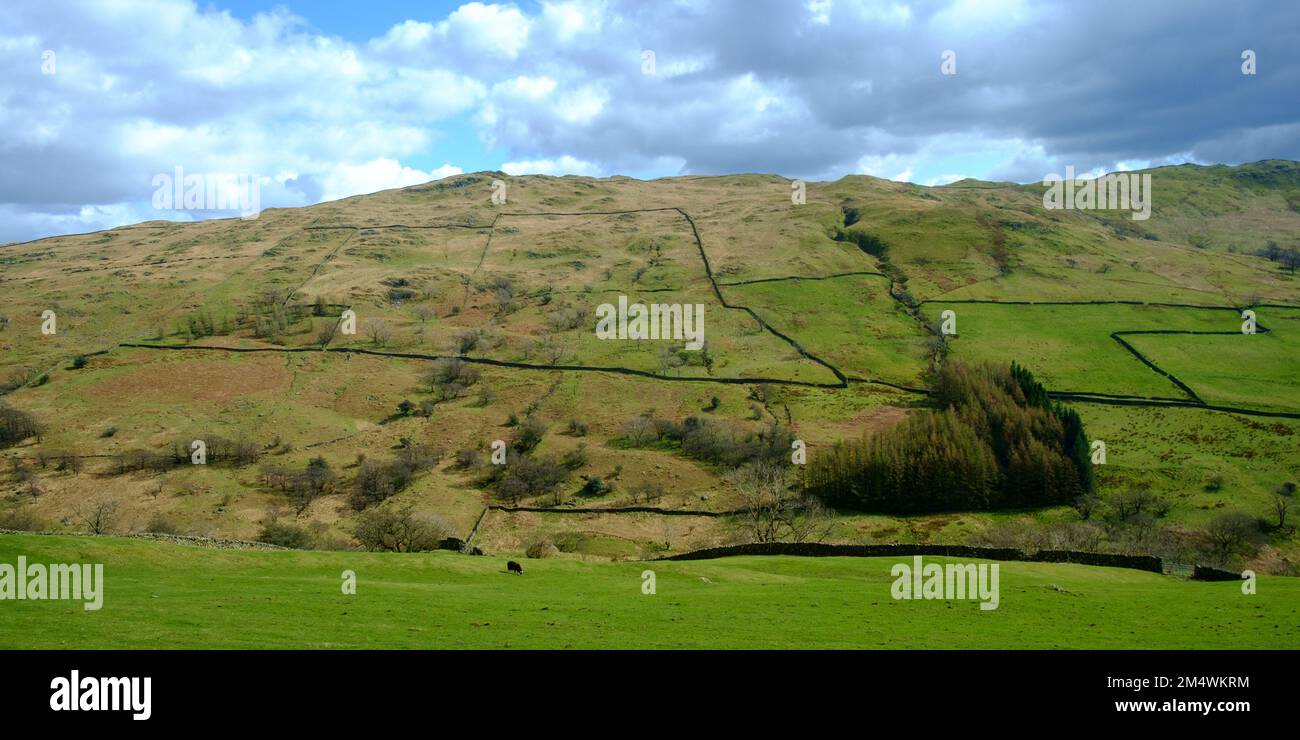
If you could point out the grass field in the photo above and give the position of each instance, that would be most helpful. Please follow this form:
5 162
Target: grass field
867 335
160 595
1069 348
1260 371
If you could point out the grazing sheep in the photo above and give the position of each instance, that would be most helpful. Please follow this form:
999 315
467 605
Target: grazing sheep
514 567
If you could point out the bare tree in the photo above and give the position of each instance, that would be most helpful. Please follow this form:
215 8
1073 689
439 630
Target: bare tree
73 463
424 312
771 512
1291 259
327 333
98 516
1281 506
380 332
1231 533
554 350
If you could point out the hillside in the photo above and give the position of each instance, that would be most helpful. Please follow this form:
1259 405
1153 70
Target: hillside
230 330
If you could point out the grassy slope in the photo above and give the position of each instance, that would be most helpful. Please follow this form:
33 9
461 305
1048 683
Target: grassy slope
1069 348
161 596
129 283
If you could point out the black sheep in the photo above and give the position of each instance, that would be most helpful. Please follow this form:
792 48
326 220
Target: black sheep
514 567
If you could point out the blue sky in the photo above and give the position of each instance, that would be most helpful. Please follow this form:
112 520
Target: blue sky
322 100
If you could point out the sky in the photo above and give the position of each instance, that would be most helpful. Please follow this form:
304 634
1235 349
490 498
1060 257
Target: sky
330 98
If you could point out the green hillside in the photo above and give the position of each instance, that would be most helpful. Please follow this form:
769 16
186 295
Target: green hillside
821 321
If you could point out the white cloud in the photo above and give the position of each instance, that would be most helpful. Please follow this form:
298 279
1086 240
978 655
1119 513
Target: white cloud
564 165
492 29
581 105
819 11
944 180
565 20
405 36
376 175
523 86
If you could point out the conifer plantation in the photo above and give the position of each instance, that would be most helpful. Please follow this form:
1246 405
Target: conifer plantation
995 441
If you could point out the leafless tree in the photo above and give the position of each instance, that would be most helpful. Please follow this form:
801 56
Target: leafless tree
380 332
424 312
1231 533
98 515
771 512
327 332
1281 507
554 350
1291 259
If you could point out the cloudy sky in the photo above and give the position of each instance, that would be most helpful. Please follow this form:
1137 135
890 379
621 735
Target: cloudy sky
323 99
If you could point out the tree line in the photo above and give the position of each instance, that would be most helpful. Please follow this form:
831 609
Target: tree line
995 442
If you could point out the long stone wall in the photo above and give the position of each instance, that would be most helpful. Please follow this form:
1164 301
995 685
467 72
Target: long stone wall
817 549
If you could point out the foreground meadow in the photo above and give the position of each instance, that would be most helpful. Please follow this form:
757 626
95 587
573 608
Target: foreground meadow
173 596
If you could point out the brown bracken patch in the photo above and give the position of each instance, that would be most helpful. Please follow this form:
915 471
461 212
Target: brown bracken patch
197 380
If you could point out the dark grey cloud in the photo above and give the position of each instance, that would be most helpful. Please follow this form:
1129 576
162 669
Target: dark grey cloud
1092 84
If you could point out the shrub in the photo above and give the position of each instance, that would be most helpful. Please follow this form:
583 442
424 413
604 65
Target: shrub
564 319
526 476
542 549
576 458
161 524
78 362
453 370
577 428
528 435
595 486
399 530
21 520
466 458
285 535
16 425
419 457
